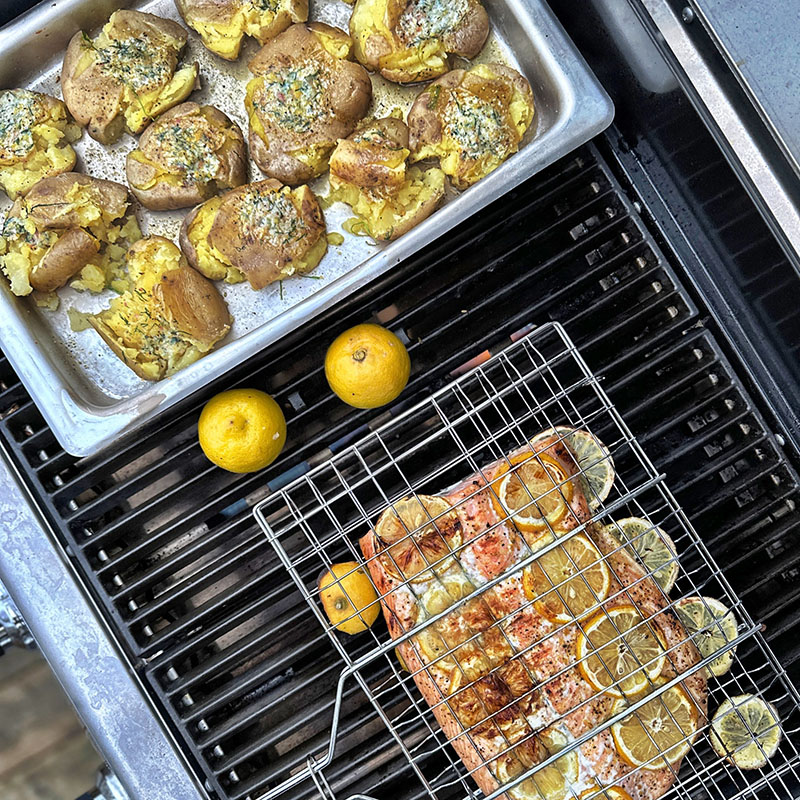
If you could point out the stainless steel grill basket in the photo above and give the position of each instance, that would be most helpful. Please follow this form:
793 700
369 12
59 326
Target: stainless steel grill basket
539 389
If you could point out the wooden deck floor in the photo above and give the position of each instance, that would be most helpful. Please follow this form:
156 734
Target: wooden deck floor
44 751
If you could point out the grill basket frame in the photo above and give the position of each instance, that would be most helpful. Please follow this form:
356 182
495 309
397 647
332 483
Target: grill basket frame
482 402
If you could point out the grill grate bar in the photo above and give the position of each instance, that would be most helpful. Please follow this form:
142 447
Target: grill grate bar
313 688
227 643
102 503
283 628
187 588
745 528
163 568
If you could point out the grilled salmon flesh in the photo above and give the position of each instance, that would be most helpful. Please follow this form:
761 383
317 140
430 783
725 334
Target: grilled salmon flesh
502 678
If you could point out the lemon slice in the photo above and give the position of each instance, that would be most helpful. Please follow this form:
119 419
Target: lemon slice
592 457
420 531
619 653
657 734
652 547
534 490
555 781
746 731
446 591
711 626
597 792
578 562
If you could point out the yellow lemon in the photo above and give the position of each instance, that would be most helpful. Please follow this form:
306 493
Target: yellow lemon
242 430
367 366
578 571
660 733
619 652
348 597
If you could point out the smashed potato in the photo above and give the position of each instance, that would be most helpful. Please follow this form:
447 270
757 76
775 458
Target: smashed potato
305 95
262 232
189 154
36 134
127 76
411 40
471 120
369 173
170 317
223 24
68 224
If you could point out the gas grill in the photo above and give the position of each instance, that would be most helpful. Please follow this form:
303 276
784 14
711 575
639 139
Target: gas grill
642 244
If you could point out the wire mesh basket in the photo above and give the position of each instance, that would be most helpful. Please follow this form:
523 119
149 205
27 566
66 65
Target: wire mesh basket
552 626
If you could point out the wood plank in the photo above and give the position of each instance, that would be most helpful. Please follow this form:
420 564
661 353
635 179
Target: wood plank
36 716
64 773
14 660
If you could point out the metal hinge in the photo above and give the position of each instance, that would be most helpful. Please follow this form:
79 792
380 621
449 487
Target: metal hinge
13 629
107 787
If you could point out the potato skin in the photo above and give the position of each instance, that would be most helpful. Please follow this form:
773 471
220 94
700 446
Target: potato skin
194 303
185 243
93 102
47 200
232 20
71 213
355 164
500 89
149 163
421 213
369 172
235 236
95 98
386 40
65 258
181 302
424 117
345 95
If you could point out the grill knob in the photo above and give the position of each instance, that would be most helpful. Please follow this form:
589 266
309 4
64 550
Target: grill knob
13 629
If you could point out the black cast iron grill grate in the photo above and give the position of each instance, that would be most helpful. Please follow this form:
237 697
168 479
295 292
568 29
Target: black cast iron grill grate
208 618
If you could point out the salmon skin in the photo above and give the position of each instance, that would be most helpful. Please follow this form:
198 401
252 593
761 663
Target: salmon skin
500 677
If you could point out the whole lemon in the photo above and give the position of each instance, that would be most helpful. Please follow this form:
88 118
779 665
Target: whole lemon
348 597
242 430
367 366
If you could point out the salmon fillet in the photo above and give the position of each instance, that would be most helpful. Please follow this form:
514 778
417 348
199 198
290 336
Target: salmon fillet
500 677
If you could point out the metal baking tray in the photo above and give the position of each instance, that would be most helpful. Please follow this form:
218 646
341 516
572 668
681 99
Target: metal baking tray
87 395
